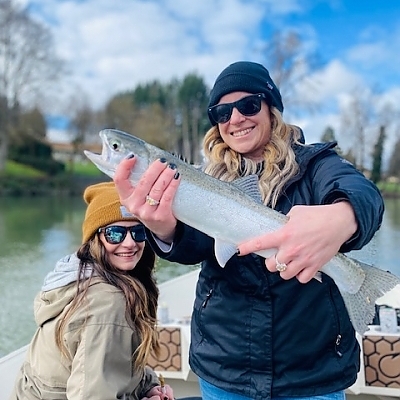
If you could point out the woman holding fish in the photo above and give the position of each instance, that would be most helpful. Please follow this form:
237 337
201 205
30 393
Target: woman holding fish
263 328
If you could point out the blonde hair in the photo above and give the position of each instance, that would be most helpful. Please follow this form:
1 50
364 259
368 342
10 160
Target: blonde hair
279 163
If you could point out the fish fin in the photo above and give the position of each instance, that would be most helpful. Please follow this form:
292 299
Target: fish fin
361 305
224 251
249 185
180 156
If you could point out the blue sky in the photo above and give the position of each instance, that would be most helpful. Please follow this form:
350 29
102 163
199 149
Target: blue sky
112 46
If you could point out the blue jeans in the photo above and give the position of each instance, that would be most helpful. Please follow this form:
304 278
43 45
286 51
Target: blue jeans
211 392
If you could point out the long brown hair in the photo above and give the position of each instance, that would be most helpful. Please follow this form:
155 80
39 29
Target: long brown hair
278 167
138 286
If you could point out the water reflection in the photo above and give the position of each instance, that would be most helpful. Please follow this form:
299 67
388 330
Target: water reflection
36 232
393 213
383 251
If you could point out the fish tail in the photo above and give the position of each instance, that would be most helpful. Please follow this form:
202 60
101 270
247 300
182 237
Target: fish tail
361 305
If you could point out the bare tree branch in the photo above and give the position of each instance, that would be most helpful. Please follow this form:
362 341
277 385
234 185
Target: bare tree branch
28 64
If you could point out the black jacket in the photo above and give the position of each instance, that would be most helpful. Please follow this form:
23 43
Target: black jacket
258 335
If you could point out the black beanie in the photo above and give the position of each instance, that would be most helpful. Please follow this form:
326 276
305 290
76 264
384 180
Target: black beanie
245 76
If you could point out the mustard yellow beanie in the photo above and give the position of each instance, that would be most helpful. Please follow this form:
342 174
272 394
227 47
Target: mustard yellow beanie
103 209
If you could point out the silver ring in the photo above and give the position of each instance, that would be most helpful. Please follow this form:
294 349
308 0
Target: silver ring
151 201
280 266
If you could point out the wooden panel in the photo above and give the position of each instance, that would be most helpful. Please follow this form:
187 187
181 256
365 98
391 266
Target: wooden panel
170 358
382 361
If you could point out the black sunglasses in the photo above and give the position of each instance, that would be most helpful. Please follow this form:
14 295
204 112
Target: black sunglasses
249 105
116 234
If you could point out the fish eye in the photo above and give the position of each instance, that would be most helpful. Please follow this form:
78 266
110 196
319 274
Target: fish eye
115 144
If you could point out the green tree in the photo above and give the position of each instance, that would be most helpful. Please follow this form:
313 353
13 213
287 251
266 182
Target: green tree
394 161
192 99
30 123
328 135
119 113
80 127
170 116
376 171
155 119
141 112
28 143
151 93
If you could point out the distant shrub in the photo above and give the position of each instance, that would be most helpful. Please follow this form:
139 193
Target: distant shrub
36 154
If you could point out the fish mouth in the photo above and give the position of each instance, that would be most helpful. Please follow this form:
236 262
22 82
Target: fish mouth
102 161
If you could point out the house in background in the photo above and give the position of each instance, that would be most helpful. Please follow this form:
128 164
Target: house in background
64 152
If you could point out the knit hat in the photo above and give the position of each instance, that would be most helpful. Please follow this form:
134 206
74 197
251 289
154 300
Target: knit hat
103 208
245 76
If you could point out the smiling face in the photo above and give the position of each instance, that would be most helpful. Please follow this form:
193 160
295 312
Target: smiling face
246 135
126 254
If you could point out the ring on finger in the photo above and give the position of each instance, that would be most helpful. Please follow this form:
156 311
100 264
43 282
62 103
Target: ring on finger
152 202
280 266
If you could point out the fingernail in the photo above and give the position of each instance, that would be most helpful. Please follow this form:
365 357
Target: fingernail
238 252
176 176
165 398
163 160
129 156
172 166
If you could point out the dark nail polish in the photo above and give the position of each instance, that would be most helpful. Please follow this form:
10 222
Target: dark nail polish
129 156
172 166
163 160
176 176
238 252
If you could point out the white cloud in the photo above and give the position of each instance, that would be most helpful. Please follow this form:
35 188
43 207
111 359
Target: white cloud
115 46
112 46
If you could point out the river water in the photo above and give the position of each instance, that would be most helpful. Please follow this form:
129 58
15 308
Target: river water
36 232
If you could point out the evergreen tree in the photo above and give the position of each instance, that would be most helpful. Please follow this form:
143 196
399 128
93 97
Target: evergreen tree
376 172
394 162
328 135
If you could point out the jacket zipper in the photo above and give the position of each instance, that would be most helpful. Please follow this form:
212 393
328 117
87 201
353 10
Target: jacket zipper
338 336
209 294
337 344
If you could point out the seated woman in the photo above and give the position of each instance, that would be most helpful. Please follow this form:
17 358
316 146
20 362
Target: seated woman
96 314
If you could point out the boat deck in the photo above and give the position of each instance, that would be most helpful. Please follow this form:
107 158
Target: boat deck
379 377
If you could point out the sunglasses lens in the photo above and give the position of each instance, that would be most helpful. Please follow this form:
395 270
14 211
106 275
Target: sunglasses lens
138 233
250 105
115 234
221 113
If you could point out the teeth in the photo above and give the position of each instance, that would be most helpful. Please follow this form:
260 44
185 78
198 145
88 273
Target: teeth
125 254
241 133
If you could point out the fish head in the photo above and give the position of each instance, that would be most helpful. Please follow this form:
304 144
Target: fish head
117 145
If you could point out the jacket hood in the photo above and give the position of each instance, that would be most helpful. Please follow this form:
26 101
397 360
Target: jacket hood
58 289
64 273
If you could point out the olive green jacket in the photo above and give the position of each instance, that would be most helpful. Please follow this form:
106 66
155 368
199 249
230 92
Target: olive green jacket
100 344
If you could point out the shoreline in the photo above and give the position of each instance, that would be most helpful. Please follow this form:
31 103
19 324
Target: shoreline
74 185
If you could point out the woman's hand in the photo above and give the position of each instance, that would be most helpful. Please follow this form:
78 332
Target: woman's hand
310 238
160 393
151 200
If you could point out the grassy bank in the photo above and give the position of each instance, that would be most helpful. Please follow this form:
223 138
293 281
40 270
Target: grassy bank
389 189
20 180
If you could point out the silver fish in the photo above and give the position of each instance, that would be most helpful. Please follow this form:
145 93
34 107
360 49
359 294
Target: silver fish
233 213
